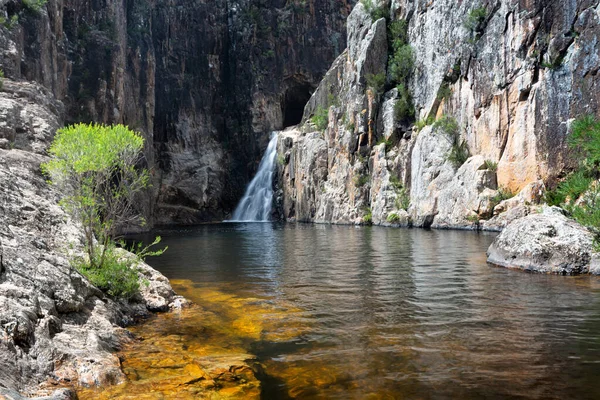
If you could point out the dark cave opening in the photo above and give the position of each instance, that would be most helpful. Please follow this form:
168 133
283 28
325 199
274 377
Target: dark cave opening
293 104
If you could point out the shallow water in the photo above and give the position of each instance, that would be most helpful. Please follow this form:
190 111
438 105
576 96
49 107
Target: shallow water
359 313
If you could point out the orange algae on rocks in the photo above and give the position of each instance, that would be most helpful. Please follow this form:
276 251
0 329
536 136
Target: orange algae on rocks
201 351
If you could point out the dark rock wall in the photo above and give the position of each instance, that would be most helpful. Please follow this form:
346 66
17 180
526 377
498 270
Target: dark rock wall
206 81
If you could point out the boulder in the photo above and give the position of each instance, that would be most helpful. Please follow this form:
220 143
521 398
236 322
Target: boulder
548 242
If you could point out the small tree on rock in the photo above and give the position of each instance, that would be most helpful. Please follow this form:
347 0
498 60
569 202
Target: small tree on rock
95 169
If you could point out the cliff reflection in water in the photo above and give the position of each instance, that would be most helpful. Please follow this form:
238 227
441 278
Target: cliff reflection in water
345 312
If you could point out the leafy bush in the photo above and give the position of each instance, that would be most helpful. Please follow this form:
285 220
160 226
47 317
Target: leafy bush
404 108
491 165
393 217
397 34
570 189
401 63
459 153
386 142
447 125
585 141
422 123
475 19
402 201
503 194
34 5
1 78
321 118
368 217
94 168
376 12
376 82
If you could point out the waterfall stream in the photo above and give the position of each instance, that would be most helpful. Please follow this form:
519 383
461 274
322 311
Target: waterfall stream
257 202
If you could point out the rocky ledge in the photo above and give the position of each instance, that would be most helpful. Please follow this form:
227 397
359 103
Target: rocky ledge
547 242
56 329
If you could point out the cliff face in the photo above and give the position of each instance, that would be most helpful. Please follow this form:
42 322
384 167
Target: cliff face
205 81
512 75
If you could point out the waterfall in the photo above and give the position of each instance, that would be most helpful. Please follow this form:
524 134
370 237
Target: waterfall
257 202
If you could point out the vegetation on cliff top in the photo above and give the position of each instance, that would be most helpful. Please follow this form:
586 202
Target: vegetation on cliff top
95 170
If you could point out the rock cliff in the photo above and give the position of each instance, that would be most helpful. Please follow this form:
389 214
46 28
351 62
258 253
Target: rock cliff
503 80
55 327
205 81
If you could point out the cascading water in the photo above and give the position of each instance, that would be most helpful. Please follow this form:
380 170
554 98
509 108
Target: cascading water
257 202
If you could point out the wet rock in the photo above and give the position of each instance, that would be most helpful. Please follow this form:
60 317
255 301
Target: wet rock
547 242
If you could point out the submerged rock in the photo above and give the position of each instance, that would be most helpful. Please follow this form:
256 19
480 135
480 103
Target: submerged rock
548 243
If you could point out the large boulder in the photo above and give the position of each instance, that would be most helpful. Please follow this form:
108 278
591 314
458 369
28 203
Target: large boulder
547 242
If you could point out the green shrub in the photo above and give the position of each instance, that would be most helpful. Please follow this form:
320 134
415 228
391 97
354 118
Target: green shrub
376 82
401 63
447 125
569 190
393 217
402 201
404 108
422 123
95 170
503 194
459 153
397 34
585 141
386 142
376 12
321 118
368 217
34 5
1 78
444 92
491 165
475 19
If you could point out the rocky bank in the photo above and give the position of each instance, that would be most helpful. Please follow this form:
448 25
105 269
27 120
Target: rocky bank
56 329
513 79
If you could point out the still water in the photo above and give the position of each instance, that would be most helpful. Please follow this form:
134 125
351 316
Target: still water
357 313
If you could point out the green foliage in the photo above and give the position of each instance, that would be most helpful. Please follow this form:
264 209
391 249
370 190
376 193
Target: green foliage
475 19
393 218
447 125
422 123
402 195
444 92
368 217
376 12
376 82
361 180
34 6
94 168
401 63
9 23
404 108
281 159
569 190
397 34
474 218
1 78
503 194
587 212
116 277
321 118
491 165
585 141
459 153
386 142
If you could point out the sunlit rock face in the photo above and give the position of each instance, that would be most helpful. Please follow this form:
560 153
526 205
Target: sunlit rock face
205 81
514 83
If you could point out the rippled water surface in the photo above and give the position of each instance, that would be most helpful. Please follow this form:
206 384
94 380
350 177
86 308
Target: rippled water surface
346 312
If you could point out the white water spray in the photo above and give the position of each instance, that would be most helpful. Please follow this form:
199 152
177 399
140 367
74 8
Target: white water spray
257 202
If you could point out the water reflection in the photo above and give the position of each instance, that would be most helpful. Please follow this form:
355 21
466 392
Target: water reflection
388 313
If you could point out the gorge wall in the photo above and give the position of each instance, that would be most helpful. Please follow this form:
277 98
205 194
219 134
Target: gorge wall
504 80
205 81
